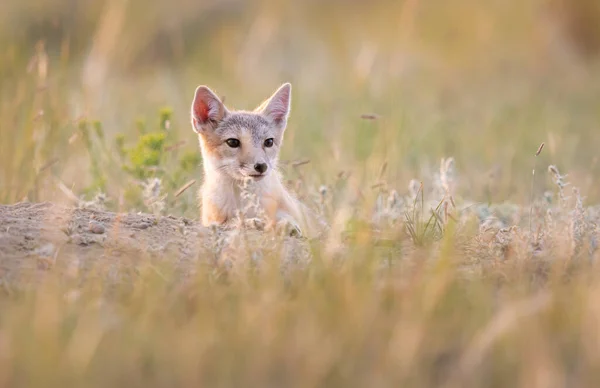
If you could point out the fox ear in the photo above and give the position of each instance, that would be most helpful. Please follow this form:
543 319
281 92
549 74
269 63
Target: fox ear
277 107
207 110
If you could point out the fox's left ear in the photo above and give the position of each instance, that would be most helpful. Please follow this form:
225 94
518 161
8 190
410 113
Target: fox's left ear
277 107
207 110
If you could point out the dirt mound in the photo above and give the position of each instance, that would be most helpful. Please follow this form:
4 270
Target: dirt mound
38 236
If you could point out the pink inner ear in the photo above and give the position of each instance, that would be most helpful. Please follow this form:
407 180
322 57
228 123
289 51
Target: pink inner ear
278 111
206 106
201 111
278 107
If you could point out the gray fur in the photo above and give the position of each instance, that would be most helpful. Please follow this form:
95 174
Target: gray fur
215 125
237 122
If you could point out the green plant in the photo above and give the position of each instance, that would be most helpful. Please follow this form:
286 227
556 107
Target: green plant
423 230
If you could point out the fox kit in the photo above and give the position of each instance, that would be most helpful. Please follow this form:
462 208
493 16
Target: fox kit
242 146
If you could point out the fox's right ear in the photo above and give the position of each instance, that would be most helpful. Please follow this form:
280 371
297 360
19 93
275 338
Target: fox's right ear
207 110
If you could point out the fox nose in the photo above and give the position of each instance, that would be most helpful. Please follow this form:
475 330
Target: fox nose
260 167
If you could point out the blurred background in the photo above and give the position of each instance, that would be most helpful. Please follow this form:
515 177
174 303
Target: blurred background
398 82
95 98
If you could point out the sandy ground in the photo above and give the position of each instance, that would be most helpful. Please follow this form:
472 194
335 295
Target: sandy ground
35 237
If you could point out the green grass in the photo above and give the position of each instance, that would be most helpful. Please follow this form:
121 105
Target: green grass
447 285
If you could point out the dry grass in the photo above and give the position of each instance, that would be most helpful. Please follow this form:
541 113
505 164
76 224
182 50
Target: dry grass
464 272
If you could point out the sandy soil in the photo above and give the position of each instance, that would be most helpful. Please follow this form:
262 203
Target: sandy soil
35 237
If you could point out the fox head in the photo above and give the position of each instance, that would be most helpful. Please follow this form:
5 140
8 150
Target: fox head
243 145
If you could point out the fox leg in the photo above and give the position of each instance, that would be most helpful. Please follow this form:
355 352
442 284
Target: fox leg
285 224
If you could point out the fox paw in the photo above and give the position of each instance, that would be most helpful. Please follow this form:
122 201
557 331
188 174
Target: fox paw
254 223
288 228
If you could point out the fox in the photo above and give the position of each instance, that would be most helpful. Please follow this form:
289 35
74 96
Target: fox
242 147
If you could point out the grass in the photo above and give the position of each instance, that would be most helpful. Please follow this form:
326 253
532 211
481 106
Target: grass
478 276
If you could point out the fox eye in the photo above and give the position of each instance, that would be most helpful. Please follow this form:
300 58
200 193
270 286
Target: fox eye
269 142
233 143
